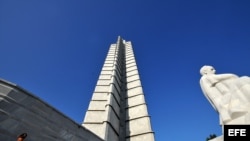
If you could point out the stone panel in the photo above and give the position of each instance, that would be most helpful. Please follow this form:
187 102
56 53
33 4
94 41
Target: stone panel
117 75
109 58
109 62
135 100
132 78
102 88
115 105
134 91
99 96
105 77
97 105
116 85
107 68
8 102
114 120
117 82
103 82
134 72
108 65
130 61
133 84
142 137
41 109
95 116
130 65
103 72
5 89
130 56
137 111
115 94
99 129
129 53
131 68
138 126
110 133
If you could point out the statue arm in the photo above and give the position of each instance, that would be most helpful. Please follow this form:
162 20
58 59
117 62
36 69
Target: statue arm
217 78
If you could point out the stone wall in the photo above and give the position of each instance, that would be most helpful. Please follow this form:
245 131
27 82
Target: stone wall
20 112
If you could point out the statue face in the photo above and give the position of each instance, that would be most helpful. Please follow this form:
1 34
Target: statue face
210 70
207 70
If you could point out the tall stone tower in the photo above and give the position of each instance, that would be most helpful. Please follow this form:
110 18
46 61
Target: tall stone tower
117 110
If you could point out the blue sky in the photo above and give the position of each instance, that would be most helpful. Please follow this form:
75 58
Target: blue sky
56 48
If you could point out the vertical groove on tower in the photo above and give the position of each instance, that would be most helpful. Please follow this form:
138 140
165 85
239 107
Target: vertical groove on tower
117 110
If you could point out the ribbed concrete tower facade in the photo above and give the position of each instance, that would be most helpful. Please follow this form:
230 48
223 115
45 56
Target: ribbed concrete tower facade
117 110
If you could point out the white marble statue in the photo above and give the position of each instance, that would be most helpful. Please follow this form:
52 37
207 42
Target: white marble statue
228 94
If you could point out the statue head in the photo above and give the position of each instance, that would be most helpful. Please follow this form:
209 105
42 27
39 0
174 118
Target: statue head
207 70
